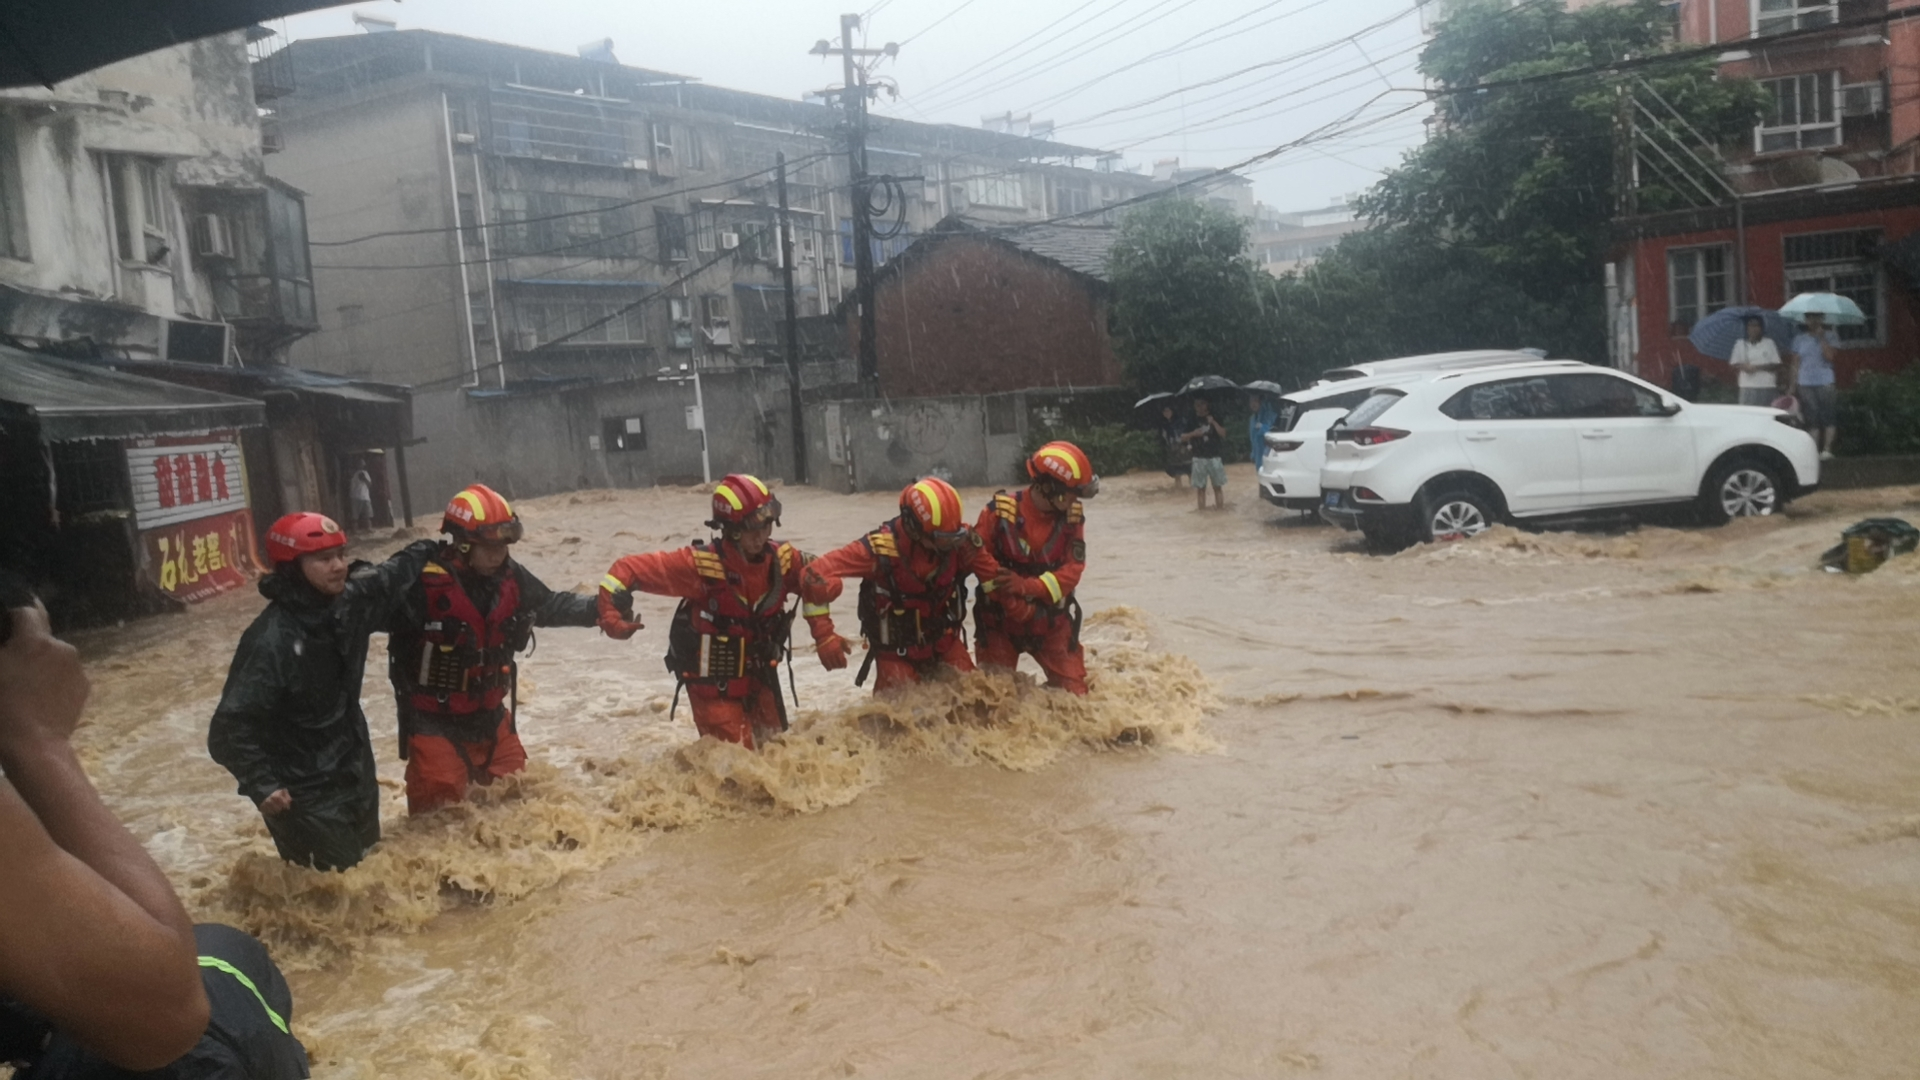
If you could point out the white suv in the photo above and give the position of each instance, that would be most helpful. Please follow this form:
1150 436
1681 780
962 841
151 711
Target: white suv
1297 446
1450 453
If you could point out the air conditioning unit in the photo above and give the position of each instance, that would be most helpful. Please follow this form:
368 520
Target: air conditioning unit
639 165
525 341
729 241
271 140
464 138
1862 99
212 237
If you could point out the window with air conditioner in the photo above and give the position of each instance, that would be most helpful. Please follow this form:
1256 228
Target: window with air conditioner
1843 262
13 210
1699 284
1781 16
1800 112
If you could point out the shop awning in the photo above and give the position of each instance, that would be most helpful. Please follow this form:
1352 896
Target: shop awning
72 399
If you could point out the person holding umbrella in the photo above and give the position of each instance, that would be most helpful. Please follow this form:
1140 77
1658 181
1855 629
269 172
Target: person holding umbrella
1814 352
1208 440
1757 360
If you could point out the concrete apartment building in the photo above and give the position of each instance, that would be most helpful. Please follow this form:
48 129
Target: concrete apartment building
1825 195
151 278
573 262
1289 242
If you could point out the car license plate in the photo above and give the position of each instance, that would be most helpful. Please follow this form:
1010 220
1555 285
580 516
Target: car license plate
1333 498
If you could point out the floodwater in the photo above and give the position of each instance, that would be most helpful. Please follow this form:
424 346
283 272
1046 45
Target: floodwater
1558 805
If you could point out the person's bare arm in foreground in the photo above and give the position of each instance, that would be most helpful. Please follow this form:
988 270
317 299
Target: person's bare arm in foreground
94 938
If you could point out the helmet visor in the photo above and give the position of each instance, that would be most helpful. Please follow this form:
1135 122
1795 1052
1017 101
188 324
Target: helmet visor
505 532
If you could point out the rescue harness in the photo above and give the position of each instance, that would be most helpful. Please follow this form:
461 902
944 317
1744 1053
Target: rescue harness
1011 549
724 642
906 613
460 663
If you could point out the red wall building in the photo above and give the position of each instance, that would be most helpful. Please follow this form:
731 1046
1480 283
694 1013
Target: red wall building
1827 183
975 309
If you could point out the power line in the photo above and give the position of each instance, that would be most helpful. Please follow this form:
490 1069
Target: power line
1185 45
582 244
662 291
1123 29
957 9
964 73
1325 46
548 217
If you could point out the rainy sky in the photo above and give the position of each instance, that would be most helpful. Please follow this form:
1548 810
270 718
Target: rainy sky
1109 73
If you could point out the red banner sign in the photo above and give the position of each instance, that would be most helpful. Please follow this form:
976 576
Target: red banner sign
194 560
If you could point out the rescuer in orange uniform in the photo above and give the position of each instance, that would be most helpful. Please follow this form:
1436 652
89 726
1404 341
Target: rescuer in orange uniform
732 625
451 646
913 596
1038 533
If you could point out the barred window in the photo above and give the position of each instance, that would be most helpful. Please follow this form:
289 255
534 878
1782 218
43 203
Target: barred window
1697 282
1841 262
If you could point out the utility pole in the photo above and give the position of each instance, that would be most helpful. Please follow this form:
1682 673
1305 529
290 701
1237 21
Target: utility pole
853 98
793 325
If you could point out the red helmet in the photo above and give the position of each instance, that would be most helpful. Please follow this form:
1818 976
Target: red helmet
743 500
931 510
1064 465
479 515
301 534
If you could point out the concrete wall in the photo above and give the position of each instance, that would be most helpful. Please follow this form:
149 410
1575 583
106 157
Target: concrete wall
527 444
192 106
379 165
968 315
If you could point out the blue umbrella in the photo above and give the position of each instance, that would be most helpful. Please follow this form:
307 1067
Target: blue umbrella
1839 310
1714 335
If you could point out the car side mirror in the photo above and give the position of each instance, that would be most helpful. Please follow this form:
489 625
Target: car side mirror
1671 408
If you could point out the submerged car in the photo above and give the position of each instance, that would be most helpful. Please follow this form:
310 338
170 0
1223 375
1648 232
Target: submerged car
1448 454
1289 471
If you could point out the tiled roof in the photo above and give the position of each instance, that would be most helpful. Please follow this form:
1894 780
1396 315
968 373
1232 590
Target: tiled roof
1080 248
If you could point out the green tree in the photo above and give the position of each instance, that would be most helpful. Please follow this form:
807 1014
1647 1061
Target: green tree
1186 299
1493 232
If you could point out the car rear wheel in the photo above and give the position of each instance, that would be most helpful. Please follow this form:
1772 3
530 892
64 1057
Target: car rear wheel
1740 488
1455 515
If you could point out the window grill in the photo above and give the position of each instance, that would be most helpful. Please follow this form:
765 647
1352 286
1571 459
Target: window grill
561 129
90 477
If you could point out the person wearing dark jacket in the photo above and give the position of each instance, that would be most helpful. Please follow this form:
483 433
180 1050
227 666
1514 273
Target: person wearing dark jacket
451 646
289 726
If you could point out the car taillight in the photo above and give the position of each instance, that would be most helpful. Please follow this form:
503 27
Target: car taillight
1363 494
1369 436
1276 442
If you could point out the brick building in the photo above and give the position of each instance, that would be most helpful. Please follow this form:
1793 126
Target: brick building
1818 198
975 309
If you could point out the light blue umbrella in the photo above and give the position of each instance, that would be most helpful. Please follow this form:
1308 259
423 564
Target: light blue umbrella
1839 310
1715 335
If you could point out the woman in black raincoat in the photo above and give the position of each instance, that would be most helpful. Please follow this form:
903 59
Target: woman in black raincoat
289 726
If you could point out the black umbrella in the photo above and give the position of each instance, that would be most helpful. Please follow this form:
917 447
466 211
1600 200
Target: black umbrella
1151 399
1264 386
1208 384
45 41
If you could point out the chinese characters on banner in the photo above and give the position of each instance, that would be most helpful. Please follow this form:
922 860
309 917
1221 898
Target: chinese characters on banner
190 505
203 557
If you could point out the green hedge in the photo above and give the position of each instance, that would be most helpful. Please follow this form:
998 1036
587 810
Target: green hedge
1881 414
1113 448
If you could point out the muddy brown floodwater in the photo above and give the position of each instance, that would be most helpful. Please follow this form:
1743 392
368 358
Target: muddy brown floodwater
1559 805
